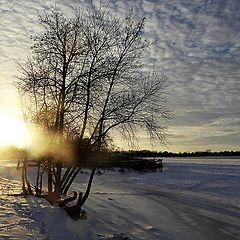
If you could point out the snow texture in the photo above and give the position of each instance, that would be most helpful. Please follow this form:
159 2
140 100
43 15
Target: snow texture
190 199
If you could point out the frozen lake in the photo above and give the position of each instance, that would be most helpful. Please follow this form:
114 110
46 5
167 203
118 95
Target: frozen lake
195 198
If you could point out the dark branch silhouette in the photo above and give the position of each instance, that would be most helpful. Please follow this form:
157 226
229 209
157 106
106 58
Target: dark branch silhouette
86 79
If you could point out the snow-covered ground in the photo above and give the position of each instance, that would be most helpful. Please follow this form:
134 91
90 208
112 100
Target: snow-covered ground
190 199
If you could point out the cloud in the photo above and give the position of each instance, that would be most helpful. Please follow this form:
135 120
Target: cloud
198 49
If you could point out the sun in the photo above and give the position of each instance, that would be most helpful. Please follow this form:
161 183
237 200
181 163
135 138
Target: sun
13 130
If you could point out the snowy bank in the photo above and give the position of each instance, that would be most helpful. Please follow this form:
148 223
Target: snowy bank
189 200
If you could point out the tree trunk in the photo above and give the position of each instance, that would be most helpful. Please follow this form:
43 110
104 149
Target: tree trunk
29 190
85 197
67 178
38 193
40 186
58 179
65 175
75 211
71 181
49 169
23 181
64 202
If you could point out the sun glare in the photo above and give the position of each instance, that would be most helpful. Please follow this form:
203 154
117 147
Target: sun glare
13 130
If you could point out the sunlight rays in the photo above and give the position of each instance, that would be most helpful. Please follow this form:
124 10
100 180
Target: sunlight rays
13 130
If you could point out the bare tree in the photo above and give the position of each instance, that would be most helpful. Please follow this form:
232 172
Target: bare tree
86 77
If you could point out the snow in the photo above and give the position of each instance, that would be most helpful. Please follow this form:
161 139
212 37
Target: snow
190 199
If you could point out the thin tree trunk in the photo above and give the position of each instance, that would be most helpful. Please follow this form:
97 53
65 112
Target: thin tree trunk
85 197
68 200
64 184
71 181
75 211
28 183
58 178
65 175
40 187
49 169
23 180
37 182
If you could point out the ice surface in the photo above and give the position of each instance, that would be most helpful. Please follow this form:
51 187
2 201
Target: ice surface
190 199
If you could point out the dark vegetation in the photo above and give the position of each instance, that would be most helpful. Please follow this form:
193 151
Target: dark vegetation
124 160
153 154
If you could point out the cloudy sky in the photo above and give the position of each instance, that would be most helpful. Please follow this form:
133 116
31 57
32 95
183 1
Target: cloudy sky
198 49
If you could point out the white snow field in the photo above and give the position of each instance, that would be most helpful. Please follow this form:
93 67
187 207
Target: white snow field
191 199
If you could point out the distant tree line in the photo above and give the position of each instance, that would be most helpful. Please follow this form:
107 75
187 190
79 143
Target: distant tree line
148 153
13 152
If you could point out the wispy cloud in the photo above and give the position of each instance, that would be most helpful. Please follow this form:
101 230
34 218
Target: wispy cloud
198 49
